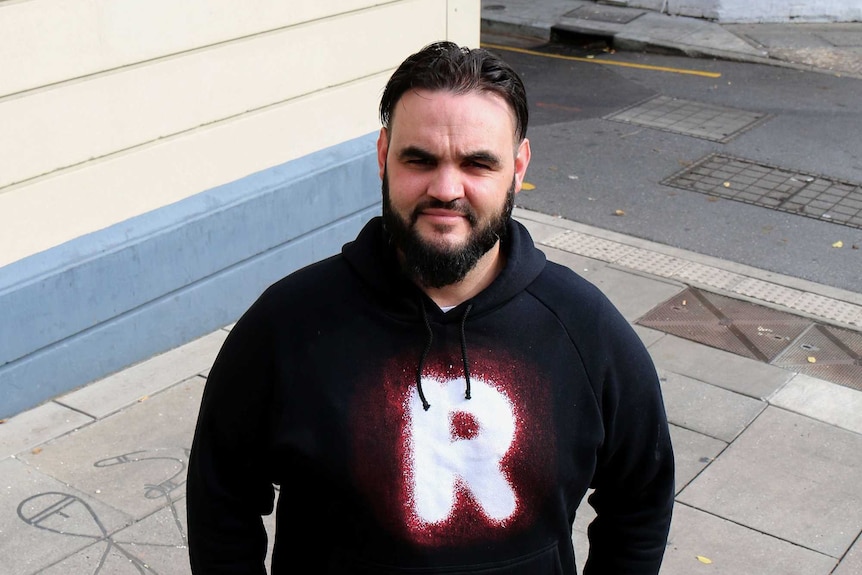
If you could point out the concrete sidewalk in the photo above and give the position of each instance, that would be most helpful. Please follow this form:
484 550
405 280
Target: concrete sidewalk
834 48
769 459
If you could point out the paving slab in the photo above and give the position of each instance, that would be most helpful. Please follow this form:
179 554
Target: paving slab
146 378
852 562
827 46
31 428
788 476
583 266
159 541
822 400
717 367
43 520
135 460
583 518
539 230
690 35
692 453
103 557
707 409
733 549
631 293
648 336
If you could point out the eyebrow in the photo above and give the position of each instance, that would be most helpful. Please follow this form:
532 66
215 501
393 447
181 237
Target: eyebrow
481 156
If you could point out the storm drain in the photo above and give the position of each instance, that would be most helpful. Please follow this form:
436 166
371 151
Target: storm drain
705 121
763 334
773 187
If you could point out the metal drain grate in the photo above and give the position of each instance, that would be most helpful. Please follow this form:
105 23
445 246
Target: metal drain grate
772 187
740 327
828 353
705 121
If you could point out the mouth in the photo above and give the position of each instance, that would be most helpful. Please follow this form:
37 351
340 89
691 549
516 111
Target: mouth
449 214
442 215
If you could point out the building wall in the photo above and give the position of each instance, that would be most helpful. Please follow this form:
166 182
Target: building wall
790 10
757 10
162 162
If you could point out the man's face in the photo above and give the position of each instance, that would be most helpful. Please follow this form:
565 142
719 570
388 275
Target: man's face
450 169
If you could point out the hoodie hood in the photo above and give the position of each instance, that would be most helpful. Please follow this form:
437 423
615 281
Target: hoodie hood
374 259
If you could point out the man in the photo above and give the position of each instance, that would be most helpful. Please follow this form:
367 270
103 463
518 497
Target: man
437 398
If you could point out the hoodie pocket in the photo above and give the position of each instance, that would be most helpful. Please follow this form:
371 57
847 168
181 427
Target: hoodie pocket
545 561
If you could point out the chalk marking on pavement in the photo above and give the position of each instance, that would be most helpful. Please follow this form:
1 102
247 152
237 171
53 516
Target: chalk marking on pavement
606 62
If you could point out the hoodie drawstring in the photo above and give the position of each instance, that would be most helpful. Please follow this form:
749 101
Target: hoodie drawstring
464 350
465 362
425 404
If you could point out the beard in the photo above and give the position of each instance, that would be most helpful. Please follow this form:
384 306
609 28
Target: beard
436 266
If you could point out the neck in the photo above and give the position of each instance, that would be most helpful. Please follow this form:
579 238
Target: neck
480 277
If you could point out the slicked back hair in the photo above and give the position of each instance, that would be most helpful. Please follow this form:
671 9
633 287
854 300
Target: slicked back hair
445 66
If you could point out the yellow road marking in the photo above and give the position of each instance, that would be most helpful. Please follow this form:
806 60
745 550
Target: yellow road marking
605 62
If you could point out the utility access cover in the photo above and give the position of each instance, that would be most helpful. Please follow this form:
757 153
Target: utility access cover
761 333
705 121
772 187
743 328
827 352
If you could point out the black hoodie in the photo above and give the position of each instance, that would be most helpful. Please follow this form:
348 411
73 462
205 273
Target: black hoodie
345 387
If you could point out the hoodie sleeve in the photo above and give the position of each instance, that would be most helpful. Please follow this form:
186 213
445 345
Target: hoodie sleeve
229 486
634 480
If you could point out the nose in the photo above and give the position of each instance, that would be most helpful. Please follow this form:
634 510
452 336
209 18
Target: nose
446 184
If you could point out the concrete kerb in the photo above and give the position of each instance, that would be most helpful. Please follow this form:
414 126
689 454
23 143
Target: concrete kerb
733 267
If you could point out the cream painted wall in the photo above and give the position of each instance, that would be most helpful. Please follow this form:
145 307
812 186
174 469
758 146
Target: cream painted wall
110 108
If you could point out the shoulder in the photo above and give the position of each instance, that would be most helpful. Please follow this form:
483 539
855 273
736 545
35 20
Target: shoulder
323 275
594 325
566 293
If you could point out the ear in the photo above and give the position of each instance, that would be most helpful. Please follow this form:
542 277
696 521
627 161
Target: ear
522 160
382 150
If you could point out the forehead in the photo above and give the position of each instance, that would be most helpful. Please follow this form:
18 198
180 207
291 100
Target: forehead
470 115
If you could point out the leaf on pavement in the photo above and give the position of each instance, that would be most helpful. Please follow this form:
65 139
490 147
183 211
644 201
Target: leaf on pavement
838 244
619 213
527 186
704 560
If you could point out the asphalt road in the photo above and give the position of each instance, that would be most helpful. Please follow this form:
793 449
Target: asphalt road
608 174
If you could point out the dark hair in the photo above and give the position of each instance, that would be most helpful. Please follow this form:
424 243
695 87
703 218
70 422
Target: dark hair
446 66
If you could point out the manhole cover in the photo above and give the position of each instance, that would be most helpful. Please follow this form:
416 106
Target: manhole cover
705 121
829 353
743 328
772 187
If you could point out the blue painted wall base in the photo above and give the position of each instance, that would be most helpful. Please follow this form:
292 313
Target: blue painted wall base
102 302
